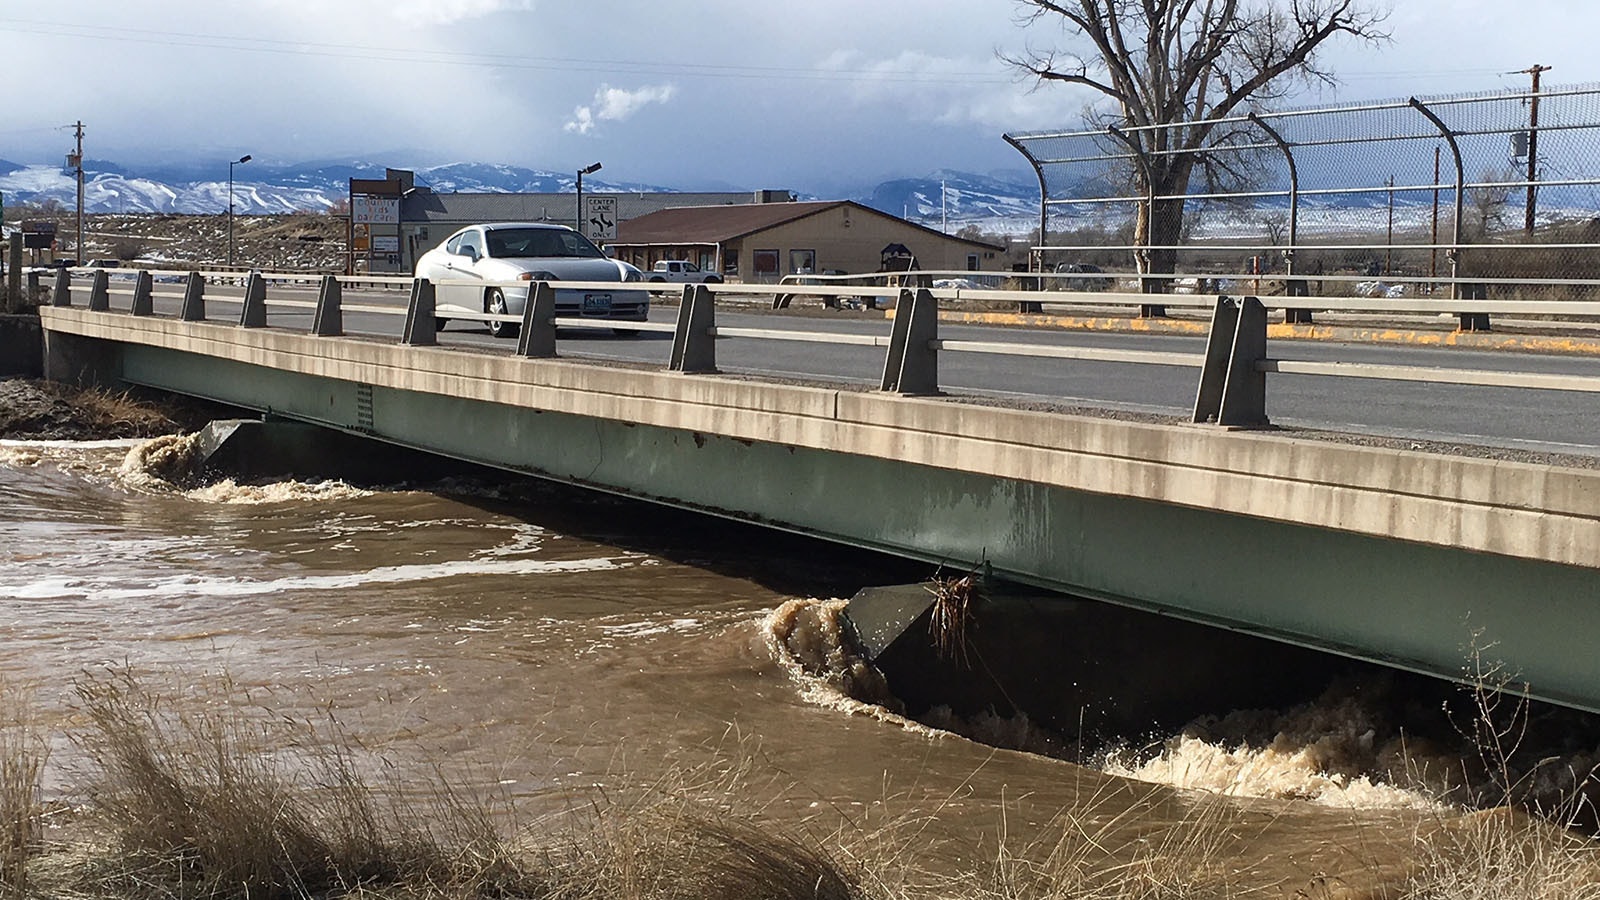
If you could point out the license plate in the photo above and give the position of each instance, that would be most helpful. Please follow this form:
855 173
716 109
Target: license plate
597 303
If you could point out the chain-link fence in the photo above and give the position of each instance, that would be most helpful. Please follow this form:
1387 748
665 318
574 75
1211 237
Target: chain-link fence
1481 195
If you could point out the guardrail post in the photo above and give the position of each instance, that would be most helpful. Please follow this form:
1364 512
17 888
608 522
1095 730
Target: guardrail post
194 298
694 342
62 295
1474 321
143 283
912 364
32 298
421 326
100 291
538 338
328 321
1233 392
254 313
1297 287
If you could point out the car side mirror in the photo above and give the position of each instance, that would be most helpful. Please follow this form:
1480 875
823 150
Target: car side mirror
470 251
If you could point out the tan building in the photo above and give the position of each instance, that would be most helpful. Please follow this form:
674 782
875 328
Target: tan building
761 243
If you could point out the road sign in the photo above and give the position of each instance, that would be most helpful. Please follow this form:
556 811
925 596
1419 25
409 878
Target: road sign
600 217
375 210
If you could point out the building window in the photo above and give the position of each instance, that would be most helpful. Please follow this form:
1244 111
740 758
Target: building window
765 262
802 262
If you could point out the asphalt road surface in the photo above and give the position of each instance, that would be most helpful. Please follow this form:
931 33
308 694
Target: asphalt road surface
1541 421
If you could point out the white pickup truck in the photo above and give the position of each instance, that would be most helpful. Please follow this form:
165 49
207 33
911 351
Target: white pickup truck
681 271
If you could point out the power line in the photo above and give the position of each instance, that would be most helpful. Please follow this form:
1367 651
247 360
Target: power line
484 60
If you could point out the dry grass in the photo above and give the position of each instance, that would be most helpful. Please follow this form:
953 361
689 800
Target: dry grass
23 753
1503 855
117 413
214 795
203 801
955 602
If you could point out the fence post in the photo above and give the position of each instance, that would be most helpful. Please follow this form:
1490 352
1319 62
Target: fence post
33 290
694 341
421 327
538 338
100 291
329 318
62 295
194 299
254 313
912 364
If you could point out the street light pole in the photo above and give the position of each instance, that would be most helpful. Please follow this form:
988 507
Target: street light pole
240 161
577 216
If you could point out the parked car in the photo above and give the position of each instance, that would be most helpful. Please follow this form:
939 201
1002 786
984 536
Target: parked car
1091 279
681 271
489 268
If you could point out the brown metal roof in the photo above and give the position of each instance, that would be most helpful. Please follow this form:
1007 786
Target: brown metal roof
714 224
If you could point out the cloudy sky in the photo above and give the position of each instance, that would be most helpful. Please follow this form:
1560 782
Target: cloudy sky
811 94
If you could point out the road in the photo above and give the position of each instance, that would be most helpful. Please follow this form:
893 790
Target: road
1533 420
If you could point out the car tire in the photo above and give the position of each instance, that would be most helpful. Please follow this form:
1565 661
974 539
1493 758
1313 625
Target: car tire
658 283
495 303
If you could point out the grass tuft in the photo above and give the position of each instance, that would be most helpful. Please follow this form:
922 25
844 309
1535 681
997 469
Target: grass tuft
200 798
23 754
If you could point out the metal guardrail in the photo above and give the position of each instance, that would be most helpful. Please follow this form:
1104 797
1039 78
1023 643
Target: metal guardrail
1233 369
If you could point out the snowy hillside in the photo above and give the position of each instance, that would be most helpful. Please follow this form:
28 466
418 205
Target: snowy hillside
1002 203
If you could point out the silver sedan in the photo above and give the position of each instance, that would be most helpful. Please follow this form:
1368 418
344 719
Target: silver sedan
490 268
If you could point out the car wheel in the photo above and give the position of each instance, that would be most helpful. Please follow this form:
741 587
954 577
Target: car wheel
658 280
496 304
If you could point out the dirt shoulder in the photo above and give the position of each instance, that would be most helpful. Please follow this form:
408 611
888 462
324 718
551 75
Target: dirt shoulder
47 411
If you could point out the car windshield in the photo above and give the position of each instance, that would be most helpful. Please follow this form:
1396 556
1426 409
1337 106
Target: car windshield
539 242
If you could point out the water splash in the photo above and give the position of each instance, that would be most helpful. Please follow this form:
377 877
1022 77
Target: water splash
172 464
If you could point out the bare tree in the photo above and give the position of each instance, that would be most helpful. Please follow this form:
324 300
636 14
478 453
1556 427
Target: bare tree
1176 67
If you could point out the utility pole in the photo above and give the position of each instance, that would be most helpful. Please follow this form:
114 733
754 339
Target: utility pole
76 161
1533 145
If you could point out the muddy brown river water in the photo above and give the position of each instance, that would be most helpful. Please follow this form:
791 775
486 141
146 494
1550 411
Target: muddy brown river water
544 644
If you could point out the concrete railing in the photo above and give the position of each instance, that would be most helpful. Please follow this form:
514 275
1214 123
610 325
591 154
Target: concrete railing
1231 390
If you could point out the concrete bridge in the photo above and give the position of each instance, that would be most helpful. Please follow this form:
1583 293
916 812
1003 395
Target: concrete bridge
1405 558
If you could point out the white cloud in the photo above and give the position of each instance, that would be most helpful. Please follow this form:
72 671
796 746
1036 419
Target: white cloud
615 104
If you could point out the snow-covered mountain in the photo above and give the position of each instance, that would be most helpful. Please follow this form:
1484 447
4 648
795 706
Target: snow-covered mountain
989 201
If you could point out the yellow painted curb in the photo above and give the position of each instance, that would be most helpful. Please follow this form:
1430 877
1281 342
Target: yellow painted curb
1538 343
